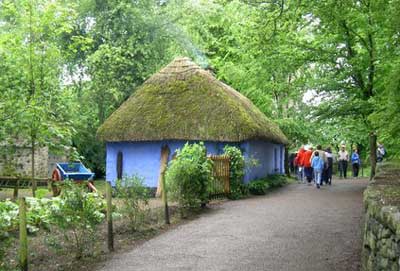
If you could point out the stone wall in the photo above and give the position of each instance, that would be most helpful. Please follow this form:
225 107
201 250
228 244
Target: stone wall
17 160
381 248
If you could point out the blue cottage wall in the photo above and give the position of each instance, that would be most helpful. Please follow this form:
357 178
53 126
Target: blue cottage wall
270 158
143 158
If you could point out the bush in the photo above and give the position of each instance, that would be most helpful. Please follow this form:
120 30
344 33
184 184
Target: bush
261 186
38 214
8 224
258 187
276 180
135 199
77 214
188 176
236 167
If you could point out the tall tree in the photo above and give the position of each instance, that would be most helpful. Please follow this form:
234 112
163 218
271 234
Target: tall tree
33 61
251 46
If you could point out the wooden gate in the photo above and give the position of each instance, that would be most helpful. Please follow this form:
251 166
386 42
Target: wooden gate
219 187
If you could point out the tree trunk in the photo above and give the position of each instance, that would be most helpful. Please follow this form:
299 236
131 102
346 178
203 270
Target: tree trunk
360 148
33 167
372 155
163 165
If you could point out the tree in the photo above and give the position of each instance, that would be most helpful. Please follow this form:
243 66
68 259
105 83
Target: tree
253 47
113 48
33 61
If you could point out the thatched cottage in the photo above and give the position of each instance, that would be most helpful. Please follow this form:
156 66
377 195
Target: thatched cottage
185 103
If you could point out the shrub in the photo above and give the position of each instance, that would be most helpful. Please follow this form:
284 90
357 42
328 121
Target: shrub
38 214
77 214
188 176
8 224
276 180
236 167
135 199
258 187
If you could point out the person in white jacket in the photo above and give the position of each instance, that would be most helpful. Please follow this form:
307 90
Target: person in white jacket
343 159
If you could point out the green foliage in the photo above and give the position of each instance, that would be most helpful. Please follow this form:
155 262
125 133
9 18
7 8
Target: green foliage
8 224
77 214
39 213
237 170
8 217
66 65
387 107
135 200
31 96
276 180
261 186
188 175
258 187
113 47
267 68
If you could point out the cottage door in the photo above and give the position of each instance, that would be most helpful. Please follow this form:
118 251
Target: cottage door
119 165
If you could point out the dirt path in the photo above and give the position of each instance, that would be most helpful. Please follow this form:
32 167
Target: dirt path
295 228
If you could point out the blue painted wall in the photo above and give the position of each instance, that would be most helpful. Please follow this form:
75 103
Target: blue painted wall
270 159
143 158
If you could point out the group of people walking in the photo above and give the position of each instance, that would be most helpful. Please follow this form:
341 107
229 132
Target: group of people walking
317 165
343 160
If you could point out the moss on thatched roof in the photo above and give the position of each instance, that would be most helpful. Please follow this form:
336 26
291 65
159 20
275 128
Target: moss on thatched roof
186 102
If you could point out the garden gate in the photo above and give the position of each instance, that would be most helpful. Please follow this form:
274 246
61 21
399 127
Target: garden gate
219 187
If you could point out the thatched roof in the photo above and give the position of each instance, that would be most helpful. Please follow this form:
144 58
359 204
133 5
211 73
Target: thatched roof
186 102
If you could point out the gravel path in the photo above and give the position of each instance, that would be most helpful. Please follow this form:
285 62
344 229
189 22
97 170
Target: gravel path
294 228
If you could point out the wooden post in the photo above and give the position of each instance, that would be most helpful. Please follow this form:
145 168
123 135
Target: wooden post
372 155
110 234
164 197
228 176
23 239
15 196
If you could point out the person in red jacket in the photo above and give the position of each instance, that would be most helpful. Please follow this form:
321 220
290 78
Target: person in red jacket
299 162
308 171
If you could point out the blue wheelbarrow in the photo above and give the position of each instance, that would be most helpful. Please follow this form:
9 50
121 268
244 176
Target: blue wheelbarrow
71 171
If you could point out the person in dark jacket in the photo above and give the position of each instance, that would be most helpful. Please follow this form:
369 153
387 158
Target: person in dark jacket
292 164
329 167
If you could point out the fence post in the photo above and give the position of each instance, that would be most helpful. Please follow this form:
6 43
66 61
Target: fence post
23 239
110 234
164 197
15 196
228 176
